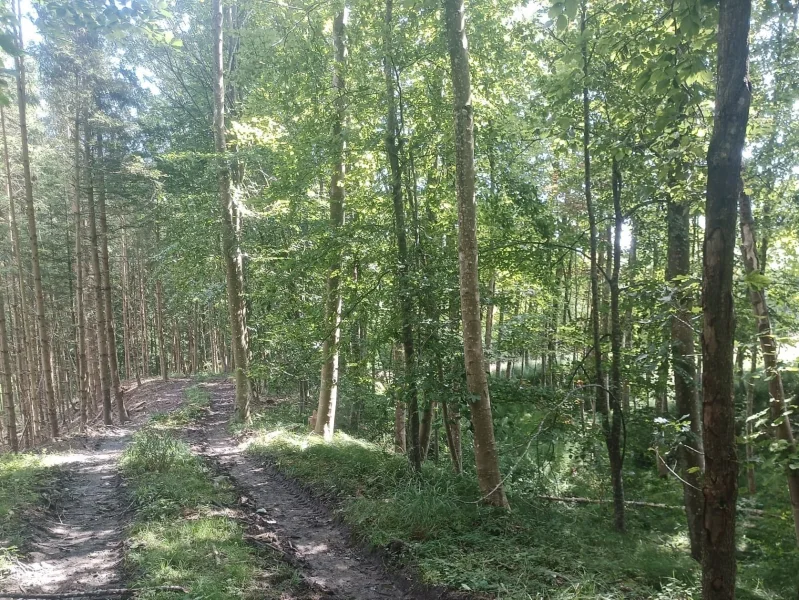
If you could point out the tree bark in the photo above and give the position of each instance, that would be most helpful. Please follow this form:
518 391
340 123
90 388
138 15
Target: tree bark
99 300
750 400
690 451
33 236
781 421
328 386
82 371
234 278
406 304
733 95
485 450
613 428
5 380
105 273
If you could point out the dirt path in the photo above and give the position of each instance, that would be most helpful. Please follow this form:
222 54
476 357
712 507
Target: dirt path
79 546
295 522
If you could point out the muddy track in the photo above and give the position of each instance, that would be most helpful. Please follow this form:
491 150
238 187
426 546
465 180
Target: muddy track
77 545
294 521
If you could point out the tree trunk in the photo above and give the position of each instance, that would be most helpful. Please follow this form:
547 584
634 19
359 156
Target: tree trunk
750 400
781 421
82 370
5 381
159 317
99 300
328 386
105 273
41 315
490 321
733 94
406 303
234 278
690 452
613 428
485 450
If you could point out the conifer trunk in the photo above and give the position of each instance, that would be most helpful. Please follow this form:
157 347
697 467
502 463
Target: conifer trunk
33 236
82 371
105 273
5 380
485 450
99 301
733 95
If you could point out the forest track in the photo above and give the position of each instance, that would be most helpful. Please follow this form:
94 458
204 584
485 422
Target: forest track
296 522
79 546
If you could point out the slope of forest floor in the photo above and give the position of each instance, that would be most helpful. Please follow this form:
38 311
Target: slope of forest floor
431 525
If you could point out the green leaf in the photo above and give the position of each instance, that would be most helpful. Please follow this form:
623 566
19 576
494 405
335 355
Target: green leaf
562 23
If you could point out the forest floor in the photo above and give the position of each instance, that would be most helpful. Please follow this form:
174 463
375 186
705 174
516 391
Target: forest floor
86 535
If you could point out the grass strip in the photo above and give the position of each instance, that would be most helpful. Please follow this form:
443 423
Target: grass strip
186 532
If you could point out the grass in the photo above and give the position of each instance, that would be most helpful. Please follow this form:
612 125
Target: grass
185 532
196 402
431 524
22 478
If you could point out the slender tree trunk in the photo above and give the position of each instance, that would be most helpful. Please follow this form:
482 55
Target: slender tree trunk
485 449
82 371
5 380
33 235
690 452
99 301
615 391
750 401
406 304
733 95
234 279
105 274
490 321
781 420
328 386
127 328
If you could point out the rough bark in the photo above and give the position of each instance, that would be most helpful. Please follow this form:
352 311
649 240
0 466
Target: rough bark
328 386
781 420
33 236
105 273
99 300
485 450
82 371
233 278
733 95
690 452
6 383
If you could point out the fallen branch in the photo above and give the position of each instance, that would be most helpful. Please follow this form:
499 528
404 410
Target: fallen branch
120 592
751 511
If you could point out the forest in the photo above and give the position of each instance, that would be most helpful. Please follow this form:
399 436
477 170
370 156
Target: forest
494 299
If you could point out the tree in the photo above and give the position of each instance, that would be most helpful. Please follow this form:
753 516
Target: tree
328 386
485 449
733 95
234 280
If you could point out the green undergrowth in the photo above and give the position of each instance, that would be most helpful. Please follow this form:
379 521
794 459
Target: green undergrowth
185 532
431 523
23 478
196 402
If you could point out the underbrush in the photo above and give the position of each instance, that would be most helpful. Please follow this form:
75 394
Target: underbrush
432 524
22 479
185 533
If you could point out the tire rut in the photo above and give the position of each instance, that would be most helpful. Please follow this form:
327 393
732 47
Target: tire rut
295 522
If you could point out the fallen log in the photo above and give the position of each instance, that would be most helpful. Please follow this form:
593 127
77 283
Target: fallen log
577 500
